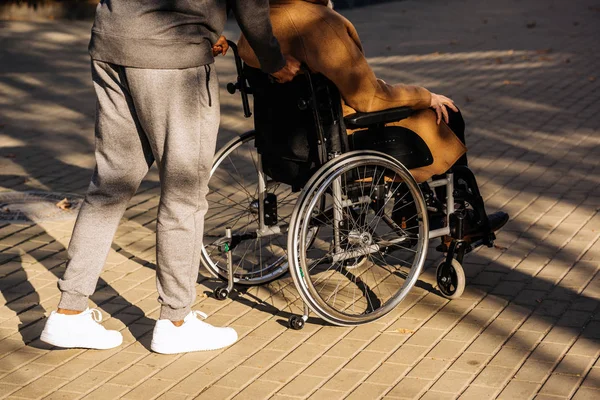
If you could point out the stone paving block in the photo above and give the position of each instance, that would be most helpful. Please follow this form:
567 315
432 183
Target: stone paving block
26 374
447 350
584 393
534 371
452 382
345 380
592 380
470 362
509 357
367 390
538 323
407 354
107 391
574 365
325 394
306 353
519 390
389 341
388 374
40 387
8 388
240 376
58 356
487 344
61 395
86 382
409 388
464 332
282 372
492 376
133 375
265 358
560 385
258 389
549 352
216 392
301 386
428 368
346 348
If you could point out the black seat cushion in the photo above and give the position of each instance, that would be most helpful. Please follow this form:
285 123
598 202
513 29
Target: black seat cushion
364 120
401 143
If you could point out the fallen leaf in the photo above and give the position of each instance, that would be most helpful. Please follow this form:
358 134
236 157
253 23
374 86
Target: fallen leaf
544 51
64 204
497 246
499 60
468 99
454 42
6 210
10 155
531 25
592 79
507 82
545 58
400 330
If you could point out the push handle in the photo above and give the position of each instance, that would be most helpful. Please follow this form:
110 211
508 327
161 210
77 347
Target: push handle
240 83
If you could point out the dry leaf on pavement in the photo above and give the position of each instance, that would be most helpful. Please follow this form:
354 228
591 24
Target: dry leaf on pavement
64 204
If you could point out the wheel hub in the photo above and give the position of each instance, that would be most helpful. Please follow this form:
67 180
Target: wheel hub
357 238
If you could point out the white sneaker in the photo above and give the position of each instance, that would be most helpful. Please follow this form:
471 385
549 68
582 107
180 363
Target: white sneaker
81 330
193 335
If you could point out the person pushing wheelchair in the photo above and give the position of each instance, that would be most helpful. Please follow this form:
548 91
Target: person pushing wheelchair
157 100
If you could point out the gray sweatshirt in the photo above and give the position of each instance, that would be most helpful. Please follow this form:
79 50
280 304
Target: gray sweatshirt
173 34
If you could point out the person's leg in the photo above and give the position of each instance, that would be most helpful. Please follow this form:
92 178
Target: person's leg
181 117
457 124
179 111
122 159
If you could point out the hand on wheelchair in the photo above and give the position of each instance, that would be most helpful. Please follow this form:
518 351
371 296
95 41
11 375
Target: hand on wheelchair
289 71
439 104
220 47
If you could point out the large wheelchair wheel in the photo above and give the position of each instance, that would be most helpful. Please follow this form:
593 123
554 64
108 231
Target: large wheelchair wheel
354 259
233 201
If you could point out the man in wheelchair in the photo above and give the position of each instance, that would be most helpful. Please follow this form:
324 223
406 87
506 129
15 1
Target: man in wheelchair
328 44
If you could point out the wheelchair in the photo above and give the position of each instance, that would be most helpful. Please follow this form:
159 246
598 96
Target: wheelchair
346 219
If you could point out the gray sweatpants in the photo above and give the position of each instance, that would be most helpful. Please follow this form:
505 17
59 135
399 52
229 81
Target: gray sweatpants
146 115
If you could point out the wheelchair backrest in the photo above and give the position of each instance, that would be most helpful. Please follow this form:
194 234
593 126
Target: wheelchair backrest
297 124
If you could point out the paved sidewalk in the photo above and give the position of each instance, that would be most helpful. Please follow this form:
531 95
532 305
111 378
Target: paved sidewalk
526 74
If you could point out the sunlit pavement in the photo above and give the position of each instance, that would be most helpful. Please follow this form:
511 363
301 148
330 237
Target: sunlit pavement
526 76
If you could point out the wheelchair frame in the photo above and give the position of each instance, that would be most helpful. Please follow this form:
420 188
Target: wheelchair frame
449 274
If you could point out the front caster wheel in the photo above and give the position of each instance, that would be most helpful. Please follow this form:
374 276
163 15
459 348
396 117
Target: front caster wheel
296 322
451 279
221 293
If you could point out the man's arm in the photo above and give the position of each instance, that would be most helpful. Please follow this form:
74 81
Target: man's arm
253 18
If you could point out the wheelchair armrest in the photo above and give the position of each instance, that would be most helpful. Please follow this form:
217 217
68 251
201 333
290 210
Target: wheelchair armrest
364 120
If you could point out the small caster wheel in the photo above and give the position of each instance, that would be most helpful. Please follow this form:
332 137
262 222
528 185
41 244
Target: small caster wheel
296 322
221 293
451 279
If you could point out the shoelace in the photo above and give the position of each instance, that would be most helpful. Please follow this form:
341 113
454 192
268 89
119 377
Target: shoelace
96 314
200 313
